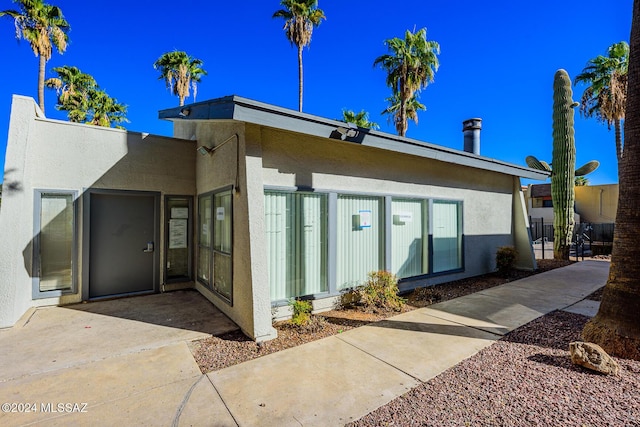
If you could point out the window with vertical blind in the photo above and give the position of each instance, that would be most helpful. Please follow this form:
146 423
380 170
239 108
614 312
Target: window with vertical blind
360 239
296 228
54 254
447 235
328 242
409 237
215 242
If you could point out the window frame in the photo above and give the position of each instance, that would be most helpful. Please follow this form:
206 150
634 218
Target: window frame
36 259
211 248
298 223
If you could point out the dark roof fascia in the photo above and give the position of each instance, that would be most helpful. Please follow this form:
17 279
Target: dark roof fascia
250 111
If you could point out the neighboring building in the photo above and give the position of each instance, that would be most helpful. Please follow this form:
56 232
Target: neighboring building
597 203
540 203
250 204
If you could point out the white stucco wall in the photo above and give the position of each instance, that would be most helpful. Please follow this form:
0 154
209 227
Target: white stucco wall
236 162
488 197
55 155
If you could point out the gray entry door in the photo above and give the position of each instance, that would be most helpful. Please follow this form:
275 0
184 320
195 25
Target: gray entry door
122 246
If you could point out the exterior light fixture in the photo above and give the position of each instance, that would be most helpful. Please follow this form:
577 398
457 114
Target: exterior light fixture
184 112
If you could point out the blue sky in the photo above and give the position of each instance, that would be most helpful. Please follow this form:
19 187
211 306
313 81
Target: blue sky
497 62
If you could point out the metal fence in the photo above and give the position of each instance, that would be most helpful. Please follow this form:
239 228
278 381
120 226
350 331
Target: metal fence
588 238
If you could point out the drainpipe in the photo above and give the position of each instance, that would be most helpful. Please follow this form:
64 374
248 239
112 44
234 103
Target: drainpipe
471 130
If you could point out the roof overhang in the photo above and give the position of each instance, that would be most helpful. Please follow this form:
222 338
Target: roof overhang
249 111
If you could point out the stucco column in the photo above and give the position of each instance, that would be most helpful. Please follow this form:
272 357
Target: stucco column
521 233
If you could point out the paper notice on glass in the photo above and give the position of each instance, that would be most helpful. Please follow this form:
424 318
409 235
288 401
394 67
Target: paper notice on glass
177 233
179 212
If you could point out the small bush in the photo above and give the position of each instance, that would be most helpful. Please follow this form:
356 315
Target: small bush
505 259
301 312
381 291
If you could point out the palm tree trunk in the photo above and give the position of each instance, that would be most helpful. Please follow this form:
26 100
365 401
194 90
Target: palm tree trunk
300 78
41 68
616 124
404 99
181 100
616 327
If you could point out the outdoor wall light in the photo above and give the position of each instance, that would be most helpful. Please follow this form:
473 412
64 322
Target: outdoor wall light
184 112
346 133
204 150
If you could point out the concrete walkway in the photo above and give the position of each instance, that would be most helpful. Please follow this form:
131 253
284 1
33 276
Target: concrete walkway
324 383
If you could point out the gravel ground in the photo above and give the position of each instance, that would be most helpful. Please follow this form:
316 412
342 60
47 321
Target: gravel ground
525 379
226 350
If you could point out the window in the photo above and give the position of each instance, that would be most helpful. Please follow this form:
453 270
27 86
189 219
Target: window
215 242
54 257
447 236
222 244
360 243
409 237
547 203
204 239
296 228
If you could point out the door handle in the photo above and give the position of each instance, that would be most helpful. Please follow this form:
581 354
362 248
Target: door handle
149 247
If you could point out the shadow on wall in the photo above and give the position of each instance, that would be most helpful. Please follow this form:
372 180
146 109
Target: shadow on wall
10 186
150 166
350 160
479 254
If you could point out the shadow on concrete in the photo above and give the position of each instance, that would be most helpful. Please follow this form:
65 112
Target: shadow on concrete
184 309
434 328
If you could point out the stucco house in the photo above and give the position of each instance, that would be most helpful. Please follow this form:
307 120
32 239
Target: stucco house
248 203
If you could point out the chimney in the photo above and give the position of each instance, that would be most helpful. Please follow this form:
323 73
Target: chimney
471 129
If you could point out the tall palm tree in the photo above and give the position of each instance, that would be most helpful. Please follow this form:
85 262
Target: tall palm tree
360 119
410 65
616 327
606 93
73 87
411 108
43 26
180 72
301 16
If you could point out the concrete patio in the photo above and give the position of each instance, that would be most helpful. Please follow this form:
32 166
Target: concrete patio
135 370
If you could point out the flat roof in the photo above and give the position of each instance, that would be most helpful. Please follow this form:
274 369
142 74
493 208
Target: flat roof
246 110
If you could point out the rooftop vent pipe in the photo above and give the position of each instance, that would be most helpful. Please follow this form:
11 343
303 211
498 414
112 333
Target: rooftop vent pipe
471 129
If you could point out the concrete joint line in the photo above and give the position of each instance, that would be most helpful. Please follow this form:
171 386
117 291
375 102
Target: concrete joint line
222 399
383 361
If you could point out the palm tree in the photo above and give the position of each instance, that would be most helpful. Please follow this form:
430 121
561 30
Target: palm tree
411 108
581 181
104 110
410 66
43 26
616 327
360 119
300 16
82 99
606 93
73 87
180 72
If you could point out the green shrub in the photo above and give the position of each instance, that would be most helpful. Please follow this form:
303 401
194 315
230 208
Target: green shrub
381 291
506 259
301 312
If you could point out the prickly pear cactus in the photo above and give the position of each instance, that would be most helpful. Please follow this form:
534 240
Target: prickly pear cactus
564 163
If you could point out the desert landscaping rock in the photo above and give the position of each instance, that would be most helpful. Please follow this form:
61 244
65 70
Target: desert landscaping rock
525 379
592 356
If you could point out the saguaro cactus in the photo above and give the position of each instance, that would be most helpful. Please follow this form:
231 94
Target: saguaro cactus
563 164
